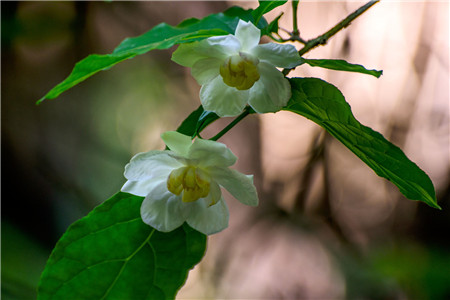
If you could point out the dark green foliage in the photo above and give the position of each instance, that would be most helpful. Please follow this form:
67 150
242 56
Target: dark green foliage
112 254
162 36
324 104
264 7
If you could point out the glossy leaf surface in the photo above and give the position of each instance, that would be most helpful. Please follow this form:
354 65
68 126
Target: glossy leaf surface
324 104
112 254
162 36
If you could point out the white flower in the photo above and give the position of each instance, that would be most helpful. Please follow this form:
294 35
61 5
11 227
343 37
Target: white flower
183 184
234 70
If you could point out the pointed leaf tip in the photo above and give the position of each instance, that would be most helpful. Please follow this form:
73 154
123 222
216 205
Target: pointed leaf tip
325 105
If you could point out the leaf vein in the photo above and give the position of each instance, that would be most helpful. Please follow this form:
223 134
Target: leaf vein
125 263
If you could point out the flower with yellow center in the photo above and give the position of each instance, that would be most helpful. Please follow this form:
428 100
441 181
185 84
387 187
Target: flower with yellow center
183 184
235 70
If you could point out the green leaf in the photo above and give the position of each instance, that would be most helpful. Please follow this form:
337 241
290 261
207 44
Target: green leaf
206 118
273 26
324 104
112 254
189 125
264 7
162 36
341 65
246 15
198 120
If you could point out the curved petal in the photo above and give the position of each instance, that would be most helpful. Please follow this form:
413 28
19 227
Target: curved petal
214 47
239 185
208 219
248 34
220 46
215 194
211 153
206 69
152 164
142 187
162 210
177 142
283 56
186 54
271 92
222 99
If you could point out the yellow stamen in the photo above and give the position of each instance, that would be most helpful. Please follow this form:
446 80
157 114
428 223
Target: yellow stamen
191 180
240 71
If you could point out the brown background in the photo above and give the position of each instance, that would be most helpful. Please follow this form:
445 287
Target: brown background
326 228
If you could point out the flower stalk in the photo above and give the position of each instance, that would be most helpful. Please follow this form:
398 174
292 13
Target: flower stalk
247 110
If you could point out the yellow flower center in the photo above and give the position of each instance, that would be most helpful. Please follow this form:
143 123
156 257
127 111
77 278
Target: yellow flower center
240 71
191 180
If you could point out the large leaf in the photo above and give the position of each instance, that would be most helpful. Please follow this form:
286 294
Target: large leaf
324 104
112 254
341 65
162 36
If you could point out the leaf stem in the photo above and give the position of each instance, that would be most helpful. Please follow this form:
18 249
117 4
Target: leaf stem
295 31
322 39
248 110
294 35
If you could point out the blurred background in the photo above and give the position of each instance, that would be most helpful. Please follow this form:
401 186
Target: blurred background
326 228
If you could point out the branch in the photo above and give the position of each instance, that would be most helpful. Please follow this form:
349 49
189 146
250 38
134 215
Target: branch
322 40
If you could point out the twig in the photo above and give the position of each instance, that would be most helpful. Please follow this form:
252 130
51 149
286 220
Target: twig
315 152
322 40
295 31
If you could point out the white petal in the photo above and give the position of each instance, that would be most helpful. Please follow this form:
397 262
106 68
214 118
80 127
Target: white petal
283 56
162 210
186 54
211 153
208 219
271 92
220 46
177 142
142 187
206 69
214 47
215 194
239 185
151 164
222 99
248 34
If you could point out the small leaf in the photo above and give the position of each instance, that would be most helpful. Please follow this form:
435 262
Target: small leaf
206 118
189 125
112 254
341 65
198 120
162 36
246 15
264 7
273 26
324 104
